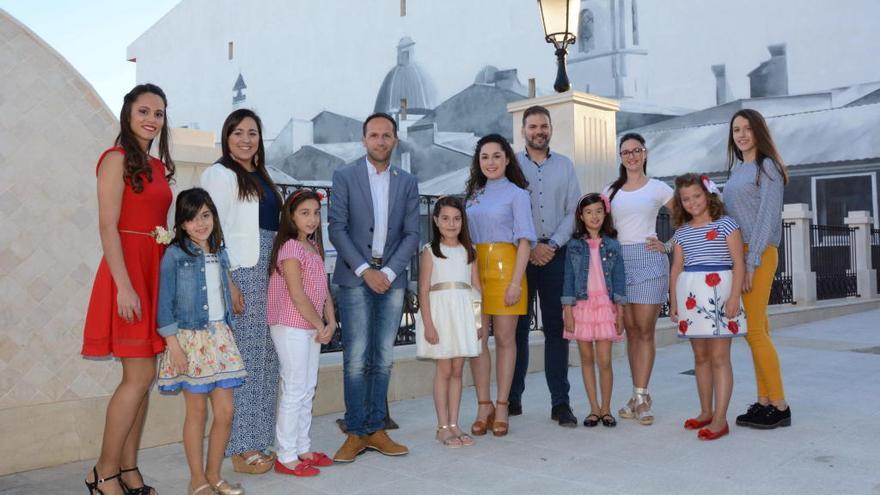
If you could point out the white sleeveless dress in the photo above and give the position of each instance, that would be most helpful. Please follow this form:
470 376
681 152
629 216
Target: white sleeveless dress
452 308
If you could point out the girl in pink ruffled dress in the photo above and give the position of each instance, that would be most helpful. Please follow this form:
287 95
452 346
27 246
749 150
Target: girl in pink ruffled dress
593 295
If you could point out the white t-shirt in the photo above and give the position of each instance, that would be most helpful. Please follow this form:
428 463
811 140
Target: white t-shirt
216 304
635 212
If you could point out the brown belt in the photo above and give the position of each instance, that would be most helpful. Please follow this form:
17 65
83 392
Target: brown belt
450 285
136 232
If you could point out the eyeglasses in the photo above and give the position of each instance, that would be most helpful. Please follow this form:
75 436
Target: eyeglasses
636 152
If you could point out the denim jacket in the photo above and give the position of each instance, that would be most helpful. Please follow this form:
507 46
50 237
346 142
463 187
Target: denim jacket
577 264
183 295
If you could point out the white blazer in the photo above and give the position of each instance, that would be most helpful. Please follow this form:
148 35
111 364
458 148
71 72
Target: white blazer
239 219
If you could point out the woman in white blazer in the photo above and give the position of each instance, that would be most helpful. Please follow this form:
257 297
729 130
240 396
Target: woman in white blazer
248 204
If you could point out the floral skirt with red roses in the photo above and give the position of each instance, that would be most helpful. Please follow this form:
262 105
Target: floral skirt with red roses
212 357
702 293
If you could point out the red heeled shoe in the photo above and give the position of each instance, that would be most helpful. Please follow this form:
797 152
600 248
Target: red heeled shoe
301 469
707 434
696 424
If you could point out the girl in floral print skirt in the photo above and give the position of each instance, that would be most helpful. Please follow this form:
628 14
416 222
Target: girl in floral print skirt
706 284
195 314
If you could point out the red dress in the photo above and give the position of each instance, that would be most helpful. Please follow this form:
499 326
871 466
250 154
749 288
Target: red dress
105 331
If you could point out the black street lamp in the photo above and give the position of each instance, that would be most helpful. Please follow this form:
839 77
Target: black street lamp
560 18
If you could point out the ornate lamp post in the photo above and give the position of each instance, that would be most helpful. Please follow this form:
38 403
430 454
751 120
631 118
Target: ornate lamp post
560 18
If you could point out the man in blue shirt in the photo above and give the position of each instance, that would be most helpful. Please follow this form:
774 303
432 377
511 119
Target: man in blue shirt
554 192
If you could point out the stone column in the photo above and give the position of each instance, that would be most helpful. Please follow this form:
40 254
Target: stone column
803 279
584 129
193 150
866 275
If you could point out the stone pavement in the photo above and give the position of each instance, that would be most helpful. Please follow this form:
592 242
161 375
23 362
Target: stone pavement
830 369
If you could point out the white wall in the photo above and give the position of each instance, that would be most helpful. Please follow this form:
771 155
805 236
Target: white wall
299 57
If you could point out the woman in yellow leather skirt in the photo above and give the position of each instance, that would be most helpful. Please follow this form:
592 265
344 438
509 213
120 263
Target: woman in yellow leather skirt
500 220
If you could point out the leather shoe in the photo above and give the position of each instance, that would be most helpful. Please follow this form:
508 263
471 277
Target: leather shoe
515 408
562 414
353 446
382 443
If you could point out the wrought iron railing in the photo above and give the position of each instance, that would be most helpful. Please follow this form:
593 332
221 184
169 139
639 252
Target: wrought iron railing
875 254
832 281
832 258
782 291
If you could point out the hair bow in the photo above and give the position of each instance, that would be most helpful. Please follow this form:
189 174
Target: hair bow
710 185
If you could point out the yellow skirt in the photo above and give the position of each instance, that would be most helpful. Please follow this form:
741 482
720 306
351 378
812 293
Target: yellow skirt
495 263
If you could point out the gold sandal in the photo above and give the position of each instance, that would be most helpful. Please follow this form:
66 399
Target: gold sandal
253 464
479 428
452 441
466 440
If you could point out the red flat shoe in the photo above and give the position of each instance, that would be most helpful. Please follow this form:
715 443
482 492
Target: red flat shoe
302 469
318 459
695 424
707 434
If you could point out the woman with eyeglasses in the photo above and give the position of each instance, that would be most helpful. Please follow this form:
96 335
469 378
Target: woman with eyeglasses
636 199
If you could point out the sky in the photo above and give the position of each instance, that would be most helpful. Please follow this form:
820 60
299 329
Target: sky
92 35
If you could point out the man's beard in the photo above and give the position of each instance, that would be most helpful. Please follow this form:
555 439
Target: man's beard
542 147
380 158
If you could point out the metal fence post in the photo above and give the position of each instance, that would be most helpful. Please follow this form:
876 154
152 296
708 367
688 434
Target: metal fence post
866 275
802 276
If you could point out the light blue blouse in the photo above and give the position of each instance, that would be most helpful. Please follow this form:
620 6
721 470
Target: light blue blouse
500 212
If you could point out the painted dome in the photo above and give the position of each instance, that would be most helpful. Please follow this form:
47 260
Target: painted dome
406 80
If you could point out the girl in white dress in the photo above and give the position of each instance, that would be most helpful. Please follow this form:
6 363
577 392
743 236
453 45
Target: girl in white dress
446 329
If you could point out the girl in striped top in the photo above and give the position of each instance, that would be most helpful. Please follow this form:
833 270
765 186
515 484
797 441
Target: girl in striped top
708 268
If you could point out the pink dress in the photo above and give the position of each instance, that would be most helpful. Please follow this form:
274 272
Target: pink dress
594 318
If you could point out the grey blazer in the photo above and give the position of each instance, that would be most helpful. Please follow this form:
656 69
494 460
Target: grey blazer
351 222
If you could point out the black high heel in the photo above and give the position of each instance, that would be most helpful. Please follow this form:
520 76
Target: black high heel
93 486
145 489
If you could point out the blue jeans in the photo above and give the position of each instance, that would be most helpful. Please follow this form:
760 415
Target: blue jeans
545 281
369 326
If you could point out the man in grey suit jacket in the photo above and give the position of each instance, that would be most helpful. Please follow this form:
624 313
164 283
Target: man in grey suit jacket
374 226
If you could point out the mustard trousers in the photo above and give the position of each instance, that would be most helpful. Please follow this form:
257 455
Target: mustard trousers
767 371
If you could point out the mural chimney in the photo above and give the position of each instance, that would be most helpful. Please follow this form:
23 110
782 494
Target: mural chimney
771 77
722 89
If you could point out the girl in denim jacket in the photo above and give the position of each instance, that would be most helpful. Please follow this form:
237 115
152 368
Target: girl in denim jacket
194 316
593 295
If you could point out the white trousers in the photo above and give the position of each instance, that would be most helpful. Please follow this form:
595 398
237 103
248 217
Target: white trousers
298 355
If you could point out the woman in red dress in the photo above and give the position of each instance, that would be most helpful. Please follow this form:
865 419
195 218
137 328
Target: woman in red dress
133 201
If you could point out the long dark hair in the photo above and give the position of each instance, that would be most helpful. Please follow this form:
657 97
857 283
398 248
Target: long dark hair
189 202
621 174
248 186
287 227
766 148
679 215
580 228
513 172
464 236
137 164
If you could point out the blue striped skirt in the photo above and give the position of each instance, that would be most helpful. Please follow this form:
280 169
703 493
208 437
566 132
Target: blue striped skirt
647 274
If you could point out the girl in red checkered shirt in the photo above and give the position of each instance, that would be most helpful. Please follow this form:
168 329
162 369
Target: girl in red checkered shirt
301 318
